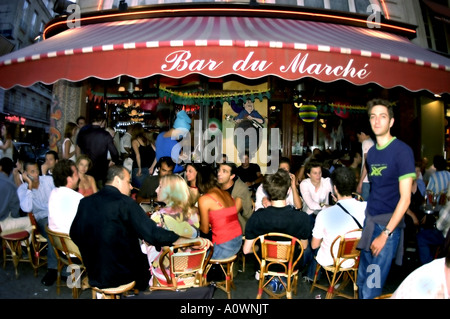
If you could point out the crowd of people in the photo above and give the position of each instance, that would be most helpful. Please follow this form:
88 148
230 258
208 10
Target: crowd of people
93 191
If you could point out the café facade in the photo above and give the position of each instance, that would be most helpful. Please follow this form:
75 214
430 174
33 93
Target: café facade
308 73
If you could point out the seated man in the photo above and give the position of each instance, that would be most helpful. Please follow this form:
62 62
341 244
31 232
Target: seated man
51 158
278 217
293 197
34 194
112 253
64 199
10 205
147 191
249 173
440 179
336 220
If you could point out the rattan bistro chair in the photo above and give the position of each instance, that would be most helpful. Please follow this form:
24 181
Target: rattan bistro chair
112 293
186 266
38 246
67 254
12 247
279 254
226 266
345 265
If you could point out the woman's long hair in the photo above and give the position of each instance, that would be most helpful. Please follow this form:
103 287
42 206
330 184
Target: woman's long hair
138 131
174 191
206 179
69 129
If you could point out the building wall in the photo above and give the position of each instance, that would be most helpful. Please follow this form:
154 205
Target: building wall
432 120
30 105
407 11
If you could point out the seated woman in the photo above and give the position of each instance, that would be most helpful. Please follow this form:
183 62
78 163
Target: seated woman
191 171
87 185
179 215
219 215
315 189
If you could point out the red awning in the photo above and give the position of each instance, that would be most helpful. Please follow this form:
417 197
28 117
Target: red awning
251 47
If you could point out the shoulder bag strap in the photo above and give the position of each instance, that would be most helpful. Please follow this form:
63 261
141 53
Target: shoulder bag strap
359 225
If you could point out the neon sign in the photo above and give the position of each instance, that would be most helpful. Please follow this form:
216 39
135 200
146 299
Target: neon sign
15 119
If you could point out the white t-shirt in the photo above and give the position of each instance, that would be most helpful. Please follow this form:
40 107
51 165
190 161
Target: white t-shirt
8 152
426 282
125 141
71 149
332 222
366 145
62 208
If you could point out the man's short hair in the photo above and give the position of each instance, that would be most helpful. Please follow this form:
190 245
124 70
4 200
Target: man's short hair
80 118
233 168
344 179
54 153
277 185
7 165
113 171
311 164
286 160
439 163
383 102
165 159
62 170
28 163
99 117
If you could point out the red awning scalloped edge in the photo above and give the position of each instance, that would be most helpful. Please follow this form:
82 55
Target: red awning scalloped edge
249 59
216 47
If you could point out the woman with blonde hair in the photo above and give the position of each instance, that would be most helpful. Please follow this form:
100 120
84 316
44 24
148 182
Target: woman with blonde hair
179 215
68 146
87 184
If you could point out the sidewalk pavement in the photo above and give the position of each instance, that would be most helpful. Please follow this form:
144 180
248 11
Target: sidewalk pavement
29 287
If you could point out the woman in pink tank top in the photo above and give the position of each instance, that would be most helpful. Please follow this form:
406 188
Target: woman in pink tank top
218 215
87 185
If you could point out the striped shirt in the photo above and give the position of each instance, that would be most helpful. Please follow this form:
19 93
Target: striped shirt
439 182
443 222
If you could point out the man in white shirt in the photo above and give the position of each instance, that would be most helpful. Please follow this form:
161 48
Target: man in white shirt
64 199
366 141
335 221
33 195
430 281
125 148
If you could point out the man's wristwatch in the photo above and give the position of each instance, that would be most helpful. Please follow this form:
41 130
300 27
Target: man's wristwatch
387 232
